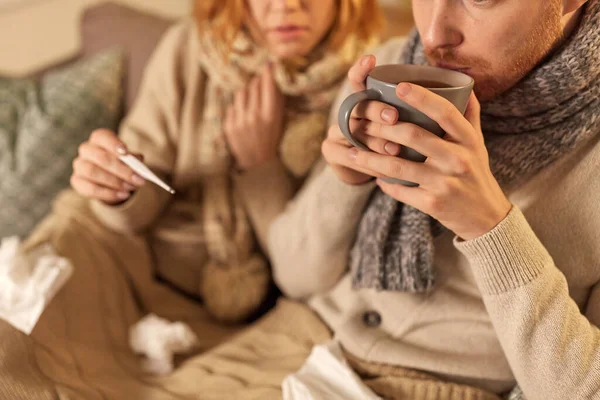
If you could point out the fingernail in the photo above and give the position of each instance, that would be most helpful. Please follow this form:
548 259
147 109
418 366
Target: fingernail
123 195
137 180
388 115
353 153
392 148
364 61
403 89
121 150
128 187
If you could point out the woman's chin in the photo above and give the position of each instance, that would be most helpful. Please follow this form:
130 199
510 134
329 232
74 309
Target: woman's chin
289 50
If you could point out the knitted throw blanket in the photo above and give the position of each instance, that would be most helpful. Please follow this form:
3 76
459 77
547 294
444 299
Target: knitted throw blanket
555 108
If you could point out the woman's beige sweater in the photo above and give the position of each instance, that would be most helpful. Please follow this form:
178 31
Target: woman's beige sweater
164 126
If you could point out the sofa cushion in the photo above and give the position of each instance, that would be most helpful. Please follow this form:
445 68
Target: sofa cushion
42 124
137 33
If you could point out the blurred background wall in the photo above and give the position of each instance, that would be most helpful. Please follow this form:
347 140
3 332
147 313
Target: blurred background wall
35 33
40 32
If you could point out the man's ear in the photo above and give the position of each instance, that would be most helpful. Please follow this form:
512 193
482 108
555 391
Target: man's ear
570 6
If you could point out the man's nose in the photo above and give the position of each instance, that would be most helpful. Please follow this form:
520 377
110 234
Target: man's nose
441 32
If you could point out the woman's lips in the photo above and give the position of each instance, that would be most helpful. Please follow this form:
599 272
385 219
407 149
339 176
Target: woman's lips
288 32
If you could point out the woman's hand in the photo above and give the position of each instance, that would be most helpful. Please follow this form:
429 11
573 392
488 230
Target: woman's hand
99 174
254 122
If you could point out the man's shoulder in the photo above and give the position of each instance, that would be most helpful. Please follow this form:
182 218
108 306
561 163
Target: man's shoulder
390 51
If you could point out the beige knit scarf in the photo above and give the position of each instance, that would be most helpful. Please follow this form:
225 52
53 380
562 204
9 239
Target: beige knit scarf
308 96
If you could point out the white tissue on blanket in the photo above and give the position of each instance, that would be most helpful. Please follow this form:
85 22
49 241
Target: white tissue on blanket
159 340
326 376
28 282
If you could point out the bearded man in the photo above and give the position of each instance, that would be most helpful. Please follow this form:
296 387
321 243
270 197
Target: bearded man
487 274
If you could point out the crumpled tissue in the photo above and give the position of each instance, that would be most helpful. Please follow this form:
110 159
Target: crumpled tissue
159 340
326 376
28 282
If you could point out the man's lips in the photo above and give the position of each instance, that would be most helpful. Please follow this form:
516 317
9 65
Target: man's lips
464 70
452 67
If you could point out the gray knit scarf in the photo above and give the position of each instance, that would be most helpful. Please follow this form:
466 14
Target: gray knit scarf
550 112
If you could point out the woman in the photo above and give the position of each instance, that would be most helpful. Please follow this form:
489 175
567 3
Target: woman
231 113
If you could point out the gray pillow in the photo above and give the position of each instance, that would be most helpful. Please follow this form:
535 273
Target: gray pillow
42 123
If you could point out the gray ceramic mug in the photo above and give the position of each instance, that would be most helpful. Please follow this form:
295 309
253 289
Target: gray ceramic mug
381 84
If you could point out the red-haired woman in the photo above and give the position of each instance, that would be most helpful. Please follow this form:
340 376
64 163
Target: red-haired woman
231 113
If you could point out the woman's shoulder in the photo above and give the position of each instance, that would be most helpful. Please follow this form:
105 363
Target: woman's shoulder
180 37
176 51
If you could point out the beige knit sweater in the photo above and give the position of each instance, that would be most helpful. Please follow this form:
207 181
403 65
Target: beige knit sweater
164 126
519 303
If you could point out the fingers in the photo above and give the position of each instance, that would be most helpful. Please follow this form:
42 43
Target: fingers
473 113
229 121
444 156
337 154
237 113
415 197
92 190
232 129
108 141
240 102
393 167
91 172
438 109
359 71
107 162
376 144
98 173
363 131
376 111
254 96
269 92
413 136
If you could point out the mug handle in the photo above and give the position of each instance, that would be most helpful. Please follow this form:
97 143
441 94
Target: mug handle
344 123
346 112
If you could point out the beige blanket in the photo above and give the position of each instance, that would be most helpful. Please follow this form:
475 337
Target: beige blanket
79 348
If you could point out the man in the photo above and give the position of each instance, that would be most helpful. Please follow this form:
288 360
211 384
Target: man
487 274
